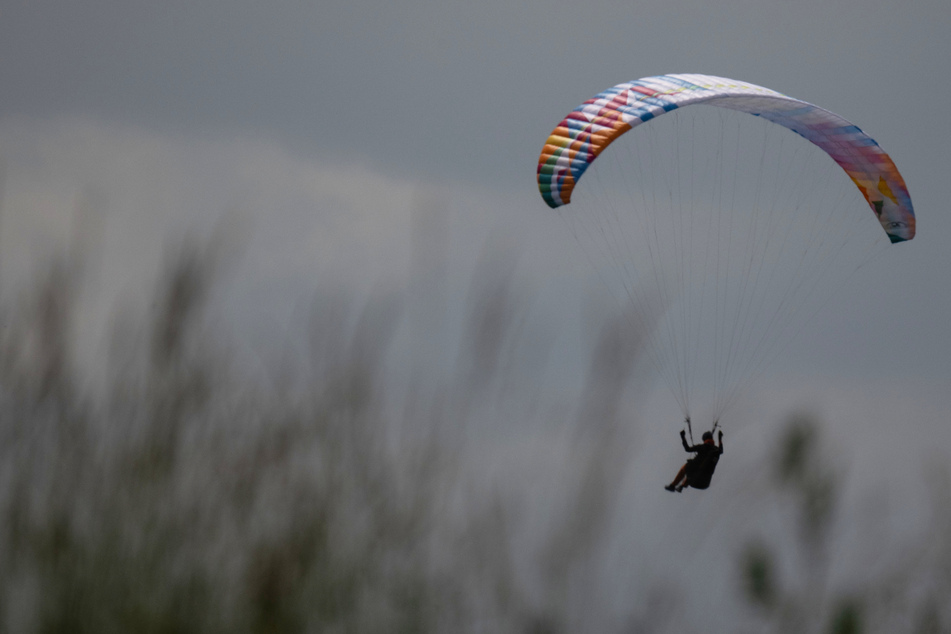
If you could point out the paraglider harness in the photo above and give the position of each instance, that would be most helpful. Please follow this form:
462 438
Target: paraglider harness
700 468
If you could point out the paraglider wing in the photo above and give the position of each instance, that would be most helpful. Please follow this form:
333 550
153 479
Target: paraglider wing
592 126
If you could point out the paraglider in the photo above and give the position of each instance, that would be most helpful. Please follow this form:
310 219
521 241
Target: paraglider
698 470
722 236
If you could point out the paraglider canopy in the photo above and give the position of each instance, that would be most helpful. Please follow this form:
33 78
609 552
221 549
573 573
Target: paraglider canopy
595 124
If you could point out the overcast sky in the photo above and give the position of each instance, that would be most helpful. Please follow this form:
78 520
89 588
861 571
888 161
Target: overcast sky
322 121
322 125
460 90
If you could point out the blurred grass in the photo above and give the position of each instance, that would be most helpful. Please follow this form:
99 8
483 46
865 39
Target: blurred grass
181 501
186 497
787 578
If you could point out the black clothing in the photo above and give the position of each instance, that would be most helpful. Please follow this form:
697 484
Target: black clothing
700 468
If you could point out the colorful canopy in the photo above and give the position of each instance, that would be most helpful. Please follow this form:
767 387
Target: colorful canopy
592 126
